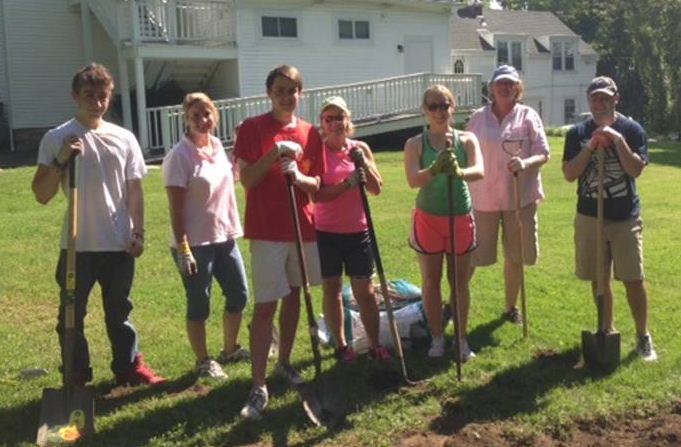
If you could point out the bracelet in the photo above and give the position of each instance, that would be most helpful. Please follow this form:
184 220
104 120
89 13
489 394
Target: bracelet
184 248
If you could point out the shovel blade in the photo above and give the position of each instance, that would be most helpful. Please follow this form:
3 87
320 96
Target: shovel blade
65 416
322 409
601 350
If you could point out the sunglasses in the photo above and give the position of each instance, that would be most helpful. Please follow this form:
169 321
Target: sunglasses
443 106
328 119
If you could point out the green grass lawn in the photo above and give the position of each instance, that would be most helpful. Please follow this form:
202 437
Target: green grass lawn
528 384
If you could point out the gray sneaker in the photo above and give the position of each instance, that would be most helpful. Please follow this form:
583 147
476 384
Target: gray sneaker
289 373
645 349
437 348
256 403
238 355
513 316
211 369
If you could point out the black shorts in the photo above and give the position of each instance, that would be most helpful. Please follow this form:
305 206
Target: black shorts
351 250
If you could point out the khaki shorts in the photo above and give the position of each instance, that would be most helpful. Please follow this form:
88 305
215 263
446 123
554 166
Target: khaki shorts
623 248
487 225
274 268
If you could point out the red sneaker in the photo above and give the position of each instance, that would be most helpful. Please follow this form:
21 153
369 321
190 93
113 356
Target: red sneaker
139 374
379 353
346 354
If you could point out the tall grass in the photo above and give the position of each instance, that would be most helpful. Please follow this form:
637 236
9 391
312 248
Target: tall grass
528 385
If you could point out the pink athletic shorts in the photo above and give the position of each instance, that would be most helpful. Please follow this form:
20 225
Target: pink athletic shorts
430 233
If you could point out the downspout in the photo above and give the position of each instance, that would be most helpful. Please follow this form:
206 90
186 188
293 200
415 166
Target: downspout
10 120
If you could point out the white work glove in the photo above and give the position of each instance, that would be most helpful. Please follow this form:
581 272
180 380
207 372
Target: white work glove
290 167
186 263
289 149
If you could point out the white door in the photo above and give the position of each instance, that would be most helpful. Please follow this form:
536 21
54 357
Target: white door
418 54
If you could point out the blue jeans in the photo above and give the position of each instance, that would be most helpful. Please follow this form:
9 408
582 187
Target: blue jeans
222 261
114 272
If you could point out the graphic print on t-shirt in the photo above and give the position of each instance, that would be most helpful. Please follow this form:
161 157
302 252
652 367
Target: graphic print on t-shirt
615 181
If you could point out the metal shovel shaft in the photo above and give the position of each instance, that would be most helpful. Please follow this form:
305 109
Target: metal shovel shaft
394 332
311 322
454 297
521 238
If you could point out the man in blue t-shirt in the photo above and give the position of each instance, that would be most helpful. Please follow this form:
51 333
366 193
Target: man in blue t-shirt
624 145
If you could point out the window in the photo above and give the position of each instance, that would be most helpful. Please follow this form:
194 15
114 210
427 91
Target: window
353 29
563 54
458 66
279 26
510 53
569 110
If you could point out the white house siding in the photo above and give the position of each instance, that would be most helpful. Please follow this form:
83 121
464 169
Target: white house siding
3 62
45 44
322 58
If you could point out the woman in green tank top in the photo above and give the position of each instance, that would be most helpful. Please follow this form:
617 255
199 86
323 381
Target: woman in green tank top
429 159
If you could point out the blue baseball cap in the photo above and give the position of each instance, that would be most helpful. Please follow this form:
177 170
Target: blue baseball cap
505 72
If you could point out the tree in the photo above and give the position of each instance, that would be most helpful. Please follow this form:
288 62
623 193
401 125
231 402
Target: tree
638 46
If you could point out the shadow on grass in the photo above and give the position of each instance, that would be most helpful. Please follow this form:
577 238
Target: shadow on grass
515 391
483 334
19 424
202 413
665 153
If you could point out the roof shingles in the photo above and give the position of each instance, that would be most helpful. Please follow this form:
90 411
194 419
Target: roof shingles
465 30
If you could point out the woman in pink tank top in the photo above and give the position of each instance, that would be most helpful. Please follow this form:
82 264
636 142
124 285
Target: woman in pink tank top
342 233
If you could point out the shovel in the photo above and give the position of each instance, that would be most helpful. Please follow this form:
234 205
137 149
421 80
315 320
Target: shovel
67 414
513 148
601 350
453 296
394 332
320 411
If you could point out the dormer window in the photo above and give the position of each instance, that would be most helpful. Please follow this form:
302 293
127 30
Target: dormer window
510 52
563 54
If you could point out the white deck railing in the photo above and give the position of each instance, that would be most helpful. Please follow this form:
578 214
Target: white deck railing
369 102
185 21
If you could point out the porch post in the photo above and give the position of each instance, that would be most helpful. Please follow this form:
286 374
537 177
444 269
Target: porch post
124 81
86 26
140 88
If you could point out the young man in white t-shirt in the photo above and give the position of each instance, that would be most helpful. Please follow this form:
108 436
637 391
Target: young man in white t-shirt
110 221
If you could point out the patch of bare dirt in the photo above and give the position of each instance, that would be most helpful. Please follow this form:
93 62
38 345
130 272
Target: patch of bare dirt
657 431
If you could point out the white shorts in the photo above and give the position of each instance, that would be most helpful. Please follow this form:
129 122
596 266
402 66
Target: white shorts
275 268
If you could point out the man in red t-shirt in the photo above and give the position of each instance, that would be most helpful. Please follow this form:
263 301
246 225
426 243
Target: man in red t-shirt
268 148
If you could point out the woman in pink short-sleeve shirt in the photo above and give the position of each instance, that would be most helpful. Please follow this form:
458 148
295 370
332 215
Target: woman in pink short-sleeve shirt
343 238
513 143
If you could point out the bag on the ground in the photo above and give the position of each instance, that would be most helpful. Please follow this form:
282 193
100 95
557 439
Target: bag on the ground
408 311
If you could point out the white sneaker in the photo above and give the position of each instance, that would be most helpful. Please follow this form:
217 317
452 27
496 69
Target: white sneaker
467 353
212 369
437 348
256 403
645 349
